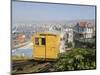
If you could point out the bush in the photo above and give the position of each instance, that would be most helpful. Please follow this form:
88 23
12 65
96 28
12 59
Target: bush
77 59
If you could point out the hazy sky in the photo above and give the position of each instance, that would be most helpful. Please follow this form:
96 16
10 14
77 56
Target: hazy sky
27 11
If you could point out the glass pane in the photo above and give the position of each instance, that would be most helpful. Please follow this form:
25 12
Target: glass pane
36 41
43 41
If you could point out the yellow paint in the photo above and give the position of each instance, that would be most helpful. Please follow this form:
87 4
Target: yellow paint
47 50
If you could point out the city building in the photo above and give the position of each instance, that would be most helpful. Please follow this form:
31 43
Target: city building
66 38
69 33
20 38
83 30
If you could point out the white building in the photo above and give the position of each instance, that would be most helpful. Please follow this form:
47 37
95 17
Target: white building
63 39
83 30
69 33
66 37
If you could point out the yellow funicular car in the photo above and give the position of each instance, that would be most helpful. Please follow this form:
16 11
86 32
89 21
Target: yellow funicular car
45 46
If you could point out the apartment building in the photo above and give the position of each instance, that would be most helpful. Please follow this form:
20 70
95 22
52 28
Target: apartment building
83 30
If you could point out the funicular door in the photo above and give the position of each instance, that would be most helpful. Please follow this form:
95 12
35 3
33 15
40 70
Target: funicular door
51 47
39 47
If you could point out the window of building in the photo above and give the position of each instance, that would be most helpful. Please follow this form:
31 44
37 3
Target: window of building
82 29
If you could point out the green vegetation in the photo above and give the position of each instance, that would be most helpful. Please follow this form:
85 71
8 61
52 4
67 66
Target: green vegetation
77 59
85 43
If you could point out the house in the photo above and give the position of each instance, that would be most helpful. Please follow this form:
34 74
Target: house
20 38
66 37
63 39
83 30
69 33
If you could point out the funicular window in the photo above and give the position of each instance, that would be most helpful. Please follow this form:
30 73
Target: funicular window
36 41
43 41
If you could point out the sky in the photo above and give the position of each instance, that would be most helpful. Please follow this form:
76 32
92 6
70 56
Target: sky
30 11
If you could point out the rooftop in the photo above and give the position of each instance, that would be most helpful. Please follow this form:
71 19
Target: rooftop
84 24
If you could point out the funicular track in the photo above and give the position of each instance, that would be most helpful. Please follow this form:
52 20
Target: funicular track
30 66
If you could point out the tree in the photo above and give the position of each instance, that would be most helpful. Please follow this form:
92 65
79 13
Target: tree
77 59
